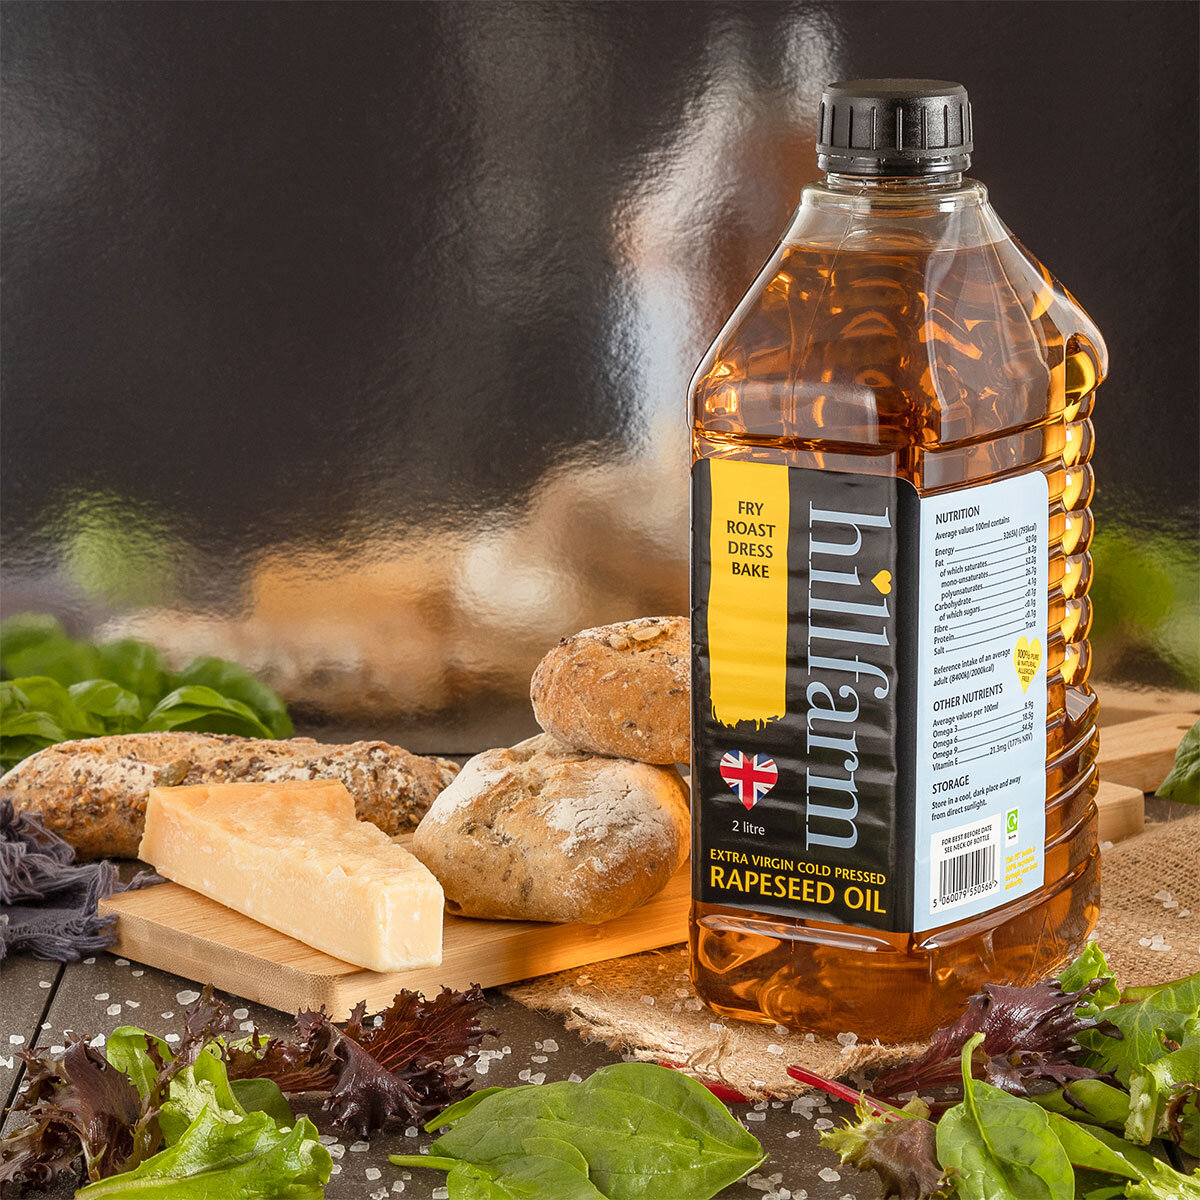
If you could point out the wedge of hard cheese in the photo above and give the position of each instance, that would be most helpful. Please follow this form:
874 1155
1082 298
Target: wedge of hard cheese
293 856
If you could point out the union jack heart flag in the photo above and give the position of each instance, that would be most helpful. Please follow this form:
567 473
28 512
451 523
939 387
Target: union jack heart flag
750 778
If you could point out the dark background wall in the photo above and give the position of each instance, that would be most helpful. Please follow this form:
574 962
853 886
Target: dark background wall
352 340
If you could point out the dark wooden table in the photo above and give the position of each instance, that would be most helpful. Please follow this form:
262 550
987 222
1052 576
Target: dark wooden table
40 1001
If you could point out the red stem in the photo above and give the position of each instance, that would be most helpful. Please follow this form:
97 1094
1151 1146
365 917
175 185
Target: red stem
839 1091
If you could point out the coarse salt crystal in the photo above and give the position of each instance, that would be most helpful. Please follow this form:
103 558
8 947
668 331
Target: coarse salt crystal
359 1147
372 1173
774 1048
550 1045
16 1039
1162 894
847 1039
809 1037
240 1014
648 1001
186 997
113 1010
100 996
829 1174
133 1004
756 1116
823 1123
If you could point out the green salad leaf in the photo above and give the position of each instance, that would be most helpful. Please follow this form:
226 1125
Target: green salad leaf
248 1158
1151 1023
1002 1146
57 688
643 1132
1183 781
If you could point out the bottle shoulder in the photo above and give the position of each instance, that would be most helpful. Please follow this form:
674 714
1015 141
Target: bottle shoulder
915 323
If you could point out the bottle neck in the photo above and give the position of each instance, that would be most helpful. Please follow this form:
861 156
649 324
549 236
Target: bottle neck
907 185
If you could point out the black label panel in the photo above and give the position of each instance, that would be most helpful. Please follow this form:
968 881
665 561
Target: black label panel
803 636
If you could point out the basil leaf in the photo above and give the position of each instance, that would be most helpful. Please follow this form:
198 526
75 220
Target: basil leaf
1183 781
644 1131
246 1159
1001 1146
135 665
43 694
119 710
239 684
23 731
56 655
22 630
203 709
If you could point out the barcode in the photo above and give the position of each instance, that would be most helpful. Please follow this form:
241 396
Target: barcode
973 872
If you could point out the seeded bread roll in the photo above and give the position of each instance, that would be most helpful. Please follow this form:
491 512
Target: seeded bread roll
542 832
622 690
93 792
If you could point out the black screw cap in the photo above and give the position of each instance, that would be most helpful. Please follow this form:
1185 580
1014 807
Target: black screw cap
894 127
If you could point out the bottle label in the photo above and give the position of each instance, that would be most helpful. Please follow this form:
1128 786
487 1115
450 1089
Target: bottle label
869 692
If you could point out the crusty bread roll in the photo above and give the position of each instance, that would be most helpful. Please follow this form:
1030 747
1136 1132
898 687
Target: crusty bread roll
622 690
541 832
93 792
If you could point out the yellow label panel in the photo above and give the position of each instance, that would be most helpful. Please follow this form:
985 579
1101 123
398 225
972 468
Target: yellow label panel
748 591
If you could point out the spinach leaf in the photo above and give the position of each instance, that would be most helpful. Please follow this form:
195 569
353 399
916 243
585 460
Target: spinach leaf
1002 1146
456 1112
1157 1180
203 709
238 684
1183 781
244 1159
1087 1151
1089 1100
644 1131
532 1177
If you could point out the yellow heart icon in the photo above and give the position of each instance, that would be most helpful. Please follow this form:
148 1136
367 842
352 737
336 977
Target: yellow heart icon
883 582
1027 657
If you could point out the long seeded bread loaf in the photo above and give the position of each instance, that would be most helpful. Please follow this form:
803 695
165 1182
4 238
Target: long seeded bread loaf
623 690
93 792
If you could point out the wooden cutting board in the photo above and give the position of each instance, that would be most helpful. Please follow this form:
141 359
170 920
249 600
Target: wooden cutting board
178 930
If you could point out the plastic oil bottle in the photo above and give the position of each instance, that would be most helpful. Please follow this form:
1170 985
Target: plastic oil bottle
894 740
